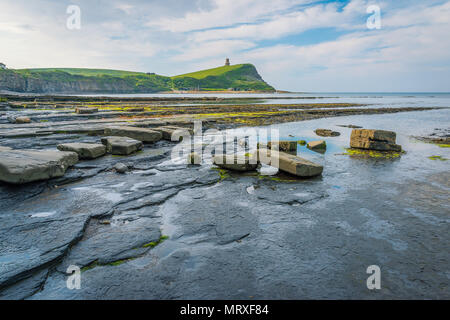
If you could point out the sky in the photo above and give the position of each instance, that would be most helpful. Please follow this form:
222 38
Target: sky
296 45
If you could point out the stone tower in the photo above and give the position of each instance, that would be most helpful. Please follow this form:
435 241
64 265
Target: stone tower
227 62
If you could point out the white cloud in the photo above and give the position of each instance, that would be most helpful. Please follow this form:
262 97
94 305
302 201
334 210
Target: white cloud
419 14
125 7
42 40
370 60
225 13
411 51
213 49
296 22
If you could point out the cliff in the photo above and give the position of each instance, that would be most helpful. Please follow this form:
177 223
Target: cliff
83 81
239 77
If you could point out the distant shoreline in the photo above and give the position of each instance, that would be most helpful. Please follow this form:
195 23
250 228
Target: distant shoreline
222 92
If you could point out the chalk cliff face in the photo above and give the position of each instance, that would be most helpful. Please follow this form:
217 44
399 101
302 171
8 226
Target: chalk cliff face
245 77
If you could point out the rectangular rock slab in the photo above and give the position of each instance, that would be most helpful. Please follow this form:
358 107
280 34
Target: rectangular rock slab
371 134
171 133
289 163
121 145
86 110
22 166
374 145
84 150
235 162
321 144
141 134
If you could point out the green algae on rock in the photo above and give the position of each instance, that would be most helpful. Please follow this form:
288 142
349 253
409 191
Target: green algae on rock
437 158
372 153
155 243
223 174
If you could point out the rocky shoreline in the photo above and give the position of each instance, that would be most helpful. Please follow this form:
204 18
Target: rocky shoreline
109 210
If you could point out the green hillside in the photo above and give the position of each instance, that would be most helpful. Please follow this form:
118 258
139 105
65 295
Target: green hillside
209 72
84 72
241 77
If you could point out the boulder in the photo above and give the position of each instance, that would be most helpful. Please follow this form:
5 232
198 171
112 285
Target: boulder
290 163
84 150
284 145
327 133
120 168
320 146
141 134
121 145
19 120
235 162
371 134
370 139
86 110
374 145
22 166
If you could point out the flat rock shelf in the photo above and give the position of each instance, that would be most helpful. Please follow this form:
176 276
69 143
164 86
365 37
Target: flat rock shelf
107 190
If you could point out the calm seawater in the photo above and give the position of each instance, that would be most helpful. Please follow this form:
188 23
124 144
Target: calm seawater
381 99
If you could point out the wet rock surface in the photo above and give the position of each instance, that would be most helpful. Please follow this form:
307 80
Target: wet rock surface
438 136
169 230
22 166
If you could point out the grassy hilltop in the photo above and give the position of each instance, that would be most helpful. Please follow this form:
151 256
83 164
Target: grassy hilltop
83 72
210 72
242 77
238 77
